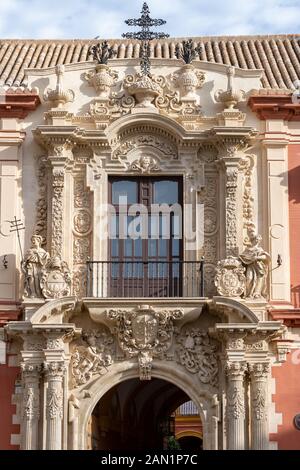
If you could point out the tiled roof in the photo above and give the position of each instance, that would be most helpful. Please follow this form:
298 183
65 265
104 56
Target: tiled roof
278 55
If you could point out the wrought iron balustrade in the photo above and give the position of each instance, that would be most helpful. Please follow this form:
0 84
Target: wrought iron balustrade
145 279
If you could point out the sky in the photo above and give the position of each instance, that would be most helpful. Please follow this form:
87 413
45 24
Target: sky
87 19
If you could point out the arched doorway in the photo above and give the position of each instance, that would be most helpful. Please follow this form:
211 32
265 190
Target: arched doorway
136 415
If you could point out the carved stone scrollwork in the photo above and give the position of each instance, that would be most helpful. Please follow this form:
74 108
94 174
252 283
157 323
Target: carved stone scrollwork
230 279
93 357
145 333
197 354
142 141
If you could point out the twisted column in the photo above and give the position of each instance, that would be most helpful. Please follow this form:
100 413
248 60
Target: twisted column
259 415
30 405
235 405
54 374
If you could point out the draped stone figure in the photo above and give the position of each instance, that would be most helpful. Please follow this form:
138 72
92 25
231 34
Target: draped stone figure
35 261
256 261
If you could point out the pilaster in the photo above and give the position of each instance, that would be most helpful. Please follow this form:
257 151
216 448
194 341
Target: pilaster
31 405
259 405
235 405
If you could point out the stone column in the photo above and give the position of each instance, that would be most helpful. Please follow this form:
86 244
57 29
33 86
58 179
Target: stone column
259 411
30 405
54 374
235 405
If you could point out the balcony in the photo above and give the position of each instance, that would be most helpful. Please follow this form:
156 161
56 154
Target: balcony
136 279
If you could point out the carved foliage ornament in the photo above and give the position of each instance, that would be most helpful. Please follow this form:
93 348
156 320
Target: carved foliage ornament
235 403
197 354
54 403
145 333
31 403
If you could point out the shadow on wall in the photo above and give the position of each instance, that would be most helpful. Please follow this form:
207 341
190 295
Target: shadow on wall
294 186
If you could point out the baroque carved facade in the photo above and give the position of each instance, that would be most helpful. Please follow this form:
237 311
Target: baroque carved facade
188 122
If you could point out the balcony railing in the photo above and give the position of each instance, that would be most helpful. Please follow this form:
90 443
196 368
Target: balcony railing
145 279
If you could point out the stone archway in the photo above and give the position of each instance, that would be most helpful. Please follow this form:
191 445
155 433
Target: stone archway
206 403
58 396
137 416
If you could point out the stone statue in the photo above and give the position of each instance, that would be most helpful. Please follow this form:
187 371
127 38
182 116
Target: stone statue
35 261
256 261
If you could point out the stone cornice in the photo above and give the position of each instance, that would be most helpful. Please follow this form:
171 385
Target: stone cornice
18 104
276 106
290 318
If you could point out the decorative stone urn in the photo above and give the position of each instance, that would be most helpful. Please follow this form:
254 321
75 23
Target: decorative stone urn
59 96
144 89
230 97
102 79
188 80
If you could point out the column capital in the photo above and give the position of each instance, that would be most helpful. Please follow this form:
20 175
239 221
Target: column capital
30 370
259 370
54 370
235 369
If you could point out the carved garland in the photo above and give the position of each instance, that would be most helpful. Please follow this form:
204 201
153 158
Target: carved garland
82 227
57 212
41 204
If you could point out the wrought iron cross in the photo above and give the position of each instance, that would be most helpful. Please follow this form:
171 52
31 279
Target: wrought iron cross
145 35
15 226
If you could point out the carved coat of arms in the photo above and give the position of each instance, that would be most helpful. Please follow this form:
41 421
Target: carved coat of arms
56 279
144 332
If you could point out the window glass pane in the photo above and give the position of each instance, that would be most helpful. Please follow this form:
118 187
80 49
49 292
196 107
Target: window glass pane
128 247
137 247
165 192
115 248
175 247
152 248
124 188
162 248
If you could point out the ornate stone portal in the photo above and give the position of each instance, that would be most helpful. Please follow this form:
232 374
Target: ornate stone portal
75 348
